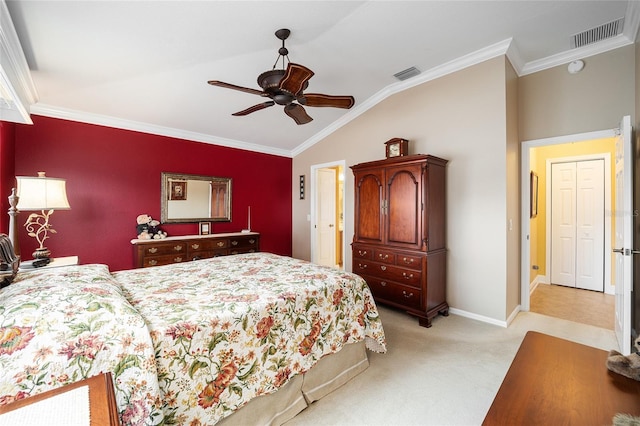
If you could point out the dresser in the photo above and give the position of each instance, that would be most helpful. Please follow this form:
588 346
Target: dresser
192 247
399 243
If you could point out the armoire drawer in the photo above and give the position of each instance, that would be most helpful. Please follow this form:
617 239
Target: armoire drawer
396 293
405 276
362 253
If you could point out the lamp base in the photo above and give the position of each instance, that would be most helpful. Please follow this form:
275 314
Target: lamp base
42 253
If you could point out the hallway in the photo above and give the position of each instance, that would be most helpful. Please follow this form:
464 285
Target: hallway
582 306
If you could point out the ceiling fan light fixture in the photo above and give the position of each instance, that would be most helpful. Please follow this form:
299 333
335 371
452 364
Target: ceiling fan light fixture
286 87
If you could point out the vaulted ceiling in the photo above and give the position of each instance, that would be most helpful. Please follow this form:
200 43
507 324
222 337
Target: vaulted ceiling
144 65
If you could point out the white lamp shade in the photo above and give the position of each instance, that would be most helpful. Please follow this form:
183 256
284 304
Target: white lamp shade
41 193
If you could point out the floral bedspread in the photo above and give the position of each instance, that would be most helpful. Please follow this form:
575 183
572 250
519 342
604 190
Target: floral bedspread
228 329
63 325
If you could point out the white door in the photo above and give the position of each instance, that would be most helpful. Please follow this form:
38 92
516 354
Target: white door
577 223
326 224
563 224
590 225
623 247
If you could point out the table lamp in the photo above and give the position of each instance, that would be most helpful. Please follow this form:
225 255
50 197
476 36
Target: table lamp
42 194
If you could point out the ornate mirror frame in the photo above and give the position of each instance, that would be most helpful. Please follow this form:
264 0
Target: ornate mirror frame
186 198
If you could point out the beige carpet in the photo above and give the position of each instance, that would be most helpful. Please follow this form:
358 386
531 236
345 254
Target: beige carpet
583 306
444 375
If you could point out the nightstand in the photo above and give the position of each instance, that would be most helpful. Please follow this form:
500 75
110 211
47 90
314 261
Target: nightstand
89 402
56 262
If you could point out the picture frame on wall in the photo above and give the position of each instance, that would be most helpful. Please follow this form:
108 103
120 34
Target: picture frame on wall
533 190
178 190
205 228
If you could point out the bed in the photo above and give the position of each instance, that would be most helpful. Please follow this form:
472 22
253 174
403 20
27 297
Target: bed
244 339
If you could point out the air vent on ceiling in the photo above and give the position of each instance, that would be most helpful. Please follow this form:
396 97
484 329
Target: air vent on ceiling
596 34
406 74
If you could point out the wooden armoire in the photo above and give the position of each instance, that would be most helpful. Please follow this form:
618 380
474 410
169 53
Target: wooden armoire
399 244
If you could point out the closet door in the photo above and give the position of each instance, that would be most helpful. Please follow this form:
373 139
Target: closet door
563 224
577 224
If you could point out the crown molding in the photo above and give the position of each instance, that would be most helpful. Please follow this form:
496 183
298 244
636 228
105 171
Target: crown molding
17 91
102 120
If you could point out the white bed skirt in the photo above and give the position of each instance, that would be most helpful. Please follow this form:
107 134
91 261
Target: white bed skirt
327 375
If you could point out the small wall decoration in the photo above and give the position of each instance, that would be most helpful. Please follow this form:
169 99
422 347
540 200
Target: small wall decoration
302 187
533 190
205 228
178 190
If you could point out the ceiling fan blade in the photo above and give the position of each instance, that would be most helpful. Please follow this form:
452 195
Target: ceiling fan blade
234 87
254 108
298 113
295 78
320 100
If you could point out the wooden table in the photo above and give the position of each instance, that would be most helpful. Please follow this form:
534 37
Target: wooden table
102 400
554 381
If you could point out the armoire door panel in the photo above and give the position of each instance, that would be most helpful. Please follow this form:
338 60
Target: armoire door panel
404 215
369 219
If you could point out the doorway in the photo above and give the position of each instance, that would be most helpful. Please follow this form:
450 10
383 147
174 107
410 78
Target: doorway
540 155
327 214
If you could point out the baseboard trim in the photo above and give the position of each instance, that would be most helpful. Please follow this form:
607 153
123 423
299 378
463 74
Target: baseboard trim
477 317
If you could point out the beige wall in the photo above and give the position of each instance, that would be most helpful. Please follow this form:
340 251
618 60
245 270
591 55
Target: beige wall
513 193
555 103
462 118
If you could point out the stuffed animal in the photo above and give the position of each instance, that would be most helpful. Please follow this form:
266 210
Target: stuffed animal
148 228
628 366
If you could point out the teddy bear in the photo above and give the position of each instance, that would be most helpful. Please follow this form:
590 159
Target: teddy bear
628 366
148 228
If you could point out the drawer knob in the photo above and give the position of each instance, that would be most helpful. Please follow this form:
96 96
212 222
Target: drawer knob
384 268
408 261
153 262
361 266
252 241
407 295
384 257
407 276
383 283
177 248
220 243
153 250
234 243
177 259
195 246
362 253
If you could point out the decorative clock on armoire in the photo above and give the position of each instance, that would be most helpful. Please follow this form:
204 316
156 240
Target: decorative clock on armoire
396 147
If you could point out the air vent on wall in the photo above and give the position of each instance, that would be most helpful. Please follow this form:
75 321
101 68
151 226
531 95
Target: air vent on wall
406 74
597 34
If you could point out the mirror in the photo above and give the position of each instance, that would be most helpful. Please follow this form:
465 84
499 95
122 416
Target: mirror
195 198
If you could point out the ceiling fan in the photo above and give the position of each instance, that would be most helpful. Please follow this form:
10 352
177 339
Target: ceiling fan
286 86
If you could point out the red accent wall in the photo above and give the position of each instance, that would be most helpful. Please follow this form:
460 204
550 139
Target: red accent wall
7 154
113 175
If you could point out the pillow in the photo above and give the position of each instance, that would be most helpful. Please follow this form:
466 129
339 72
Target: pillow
9 262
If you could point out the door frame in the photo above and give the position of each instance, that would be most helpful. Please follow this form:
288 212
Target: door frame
606 156
525 290
314 203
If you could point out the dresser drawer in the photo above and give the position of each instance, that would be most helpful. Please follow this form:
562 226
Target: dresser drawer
395 293
207 245
165 248
243 242
405 276
164 260
409 261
